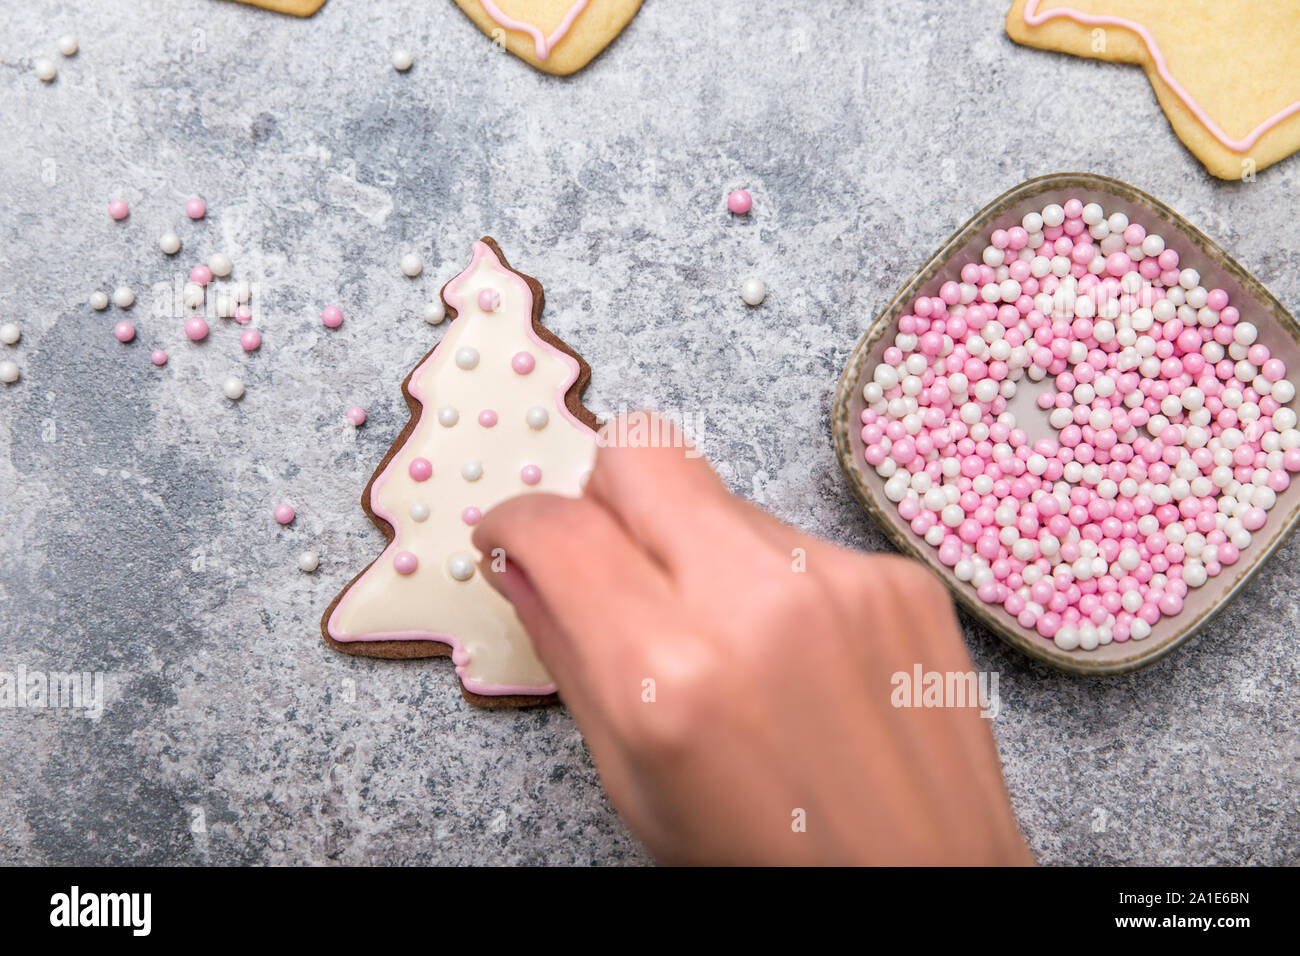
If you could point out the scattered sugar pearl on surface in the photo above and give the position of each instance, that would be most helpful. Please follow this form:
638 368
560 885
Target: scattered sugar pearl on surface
467 358
68 45
46 71
99 301
401 60
471 515
124 332
226 308
242 291
284 513
411 264
435 312
356 416
123 297
196 208
201 275
530 474
753 291
489 300
420 469
250 340
404 562
196 328
460 567
243 314
118 209
193 295
233 389
158 357
10 333
308 561
740 202
419 511
331 316
523 362
537 417
220 265
9 371
169 243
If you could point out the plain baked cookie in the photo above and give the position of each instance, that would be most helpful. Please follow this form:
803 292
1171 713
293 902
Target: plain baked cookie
299 8
1226 72
557 36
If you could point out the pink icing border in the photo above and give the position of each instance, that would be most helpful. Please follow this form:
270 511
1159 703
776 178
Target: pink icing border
541 43
1034 19
452 296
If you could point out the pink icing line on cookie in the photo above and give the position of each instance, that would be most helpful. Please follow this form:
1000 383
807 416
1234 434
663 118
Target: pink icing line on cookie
459 656
542 44
1034 19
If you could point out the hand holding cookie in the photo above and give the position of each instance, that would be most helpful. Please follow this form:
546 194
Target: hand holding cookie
733 676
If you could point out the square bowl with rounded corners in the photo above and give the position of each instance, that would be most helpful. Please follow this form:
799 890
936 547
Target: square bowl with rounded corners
1277 330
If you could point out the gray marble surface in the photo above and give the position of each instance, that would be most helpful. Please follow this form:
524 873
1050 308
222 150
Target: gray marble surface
135 528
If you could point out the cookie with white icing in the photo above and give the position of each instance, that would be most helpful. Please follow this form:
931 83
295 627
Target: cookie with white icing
557 36
496 411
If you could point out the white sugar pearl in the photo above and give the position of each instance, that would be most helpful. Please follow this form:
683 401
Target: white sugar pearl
886 376
1245 333
448 416
471 471
46 71
10 333
435 312
1053 215
193 295
460 567
1189 278
467 357
753 291
233 389
537 417
226 306
98 301
1284 419
411 265
9 371
401 60
1118 222
169 243
1139 629
896 487
419 511
308 561
1283 392
68 45
242 292
123 297
1093 214
220 265
1067 638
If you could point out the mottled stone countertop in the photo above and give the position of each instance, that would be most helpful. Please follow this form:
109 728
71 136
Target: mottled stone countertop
135 528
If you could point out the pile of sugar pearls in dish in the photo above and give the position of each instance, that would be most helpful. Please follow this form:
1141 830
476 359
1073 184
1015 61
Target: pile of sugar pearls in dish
1171 436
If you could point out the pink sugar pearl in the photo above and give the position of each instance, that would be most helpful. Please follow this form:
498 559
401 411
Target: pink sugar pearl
201 274
357 417
124 332
284 513
489 300
471 515
250 340
196 329
740 202
487 418
332 316
158 357
523 362
196 209
530 474
118 209
404 562
420 469
243 315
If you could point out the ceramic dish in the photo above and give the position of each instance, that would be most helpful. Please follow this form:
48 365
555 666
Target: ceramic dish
1277 329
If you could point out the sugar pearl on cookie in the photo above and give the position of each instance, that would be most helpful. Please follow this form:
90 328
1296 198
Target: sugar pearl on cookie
419 511
471 471
250 340
99 301
448 416
220 265
196 328
404 562
489 300
118 209
196 208
401 60
169 243
10 333
411 264
124 332
308 561
331 316
740 202
466 358
537 417
123 297
471 515
158 357
487 418
68 45
435 312
356 416
460 567
420 469
9 371
284 513
46 71
523 362
753 291
233 389
530 474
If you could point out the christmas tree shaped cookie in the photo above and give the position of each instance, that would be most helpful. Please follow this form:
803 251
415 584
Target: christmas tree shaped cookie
496 411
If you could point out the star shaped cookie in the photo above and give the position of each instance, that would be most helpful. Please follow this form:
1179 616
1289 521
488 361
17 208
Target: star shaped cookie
1225 71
